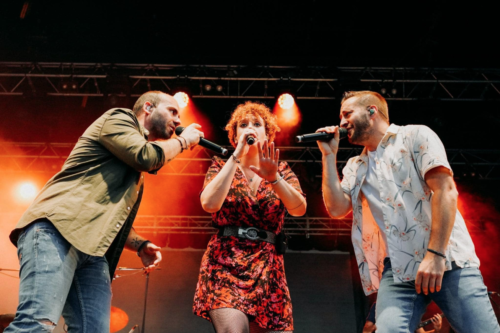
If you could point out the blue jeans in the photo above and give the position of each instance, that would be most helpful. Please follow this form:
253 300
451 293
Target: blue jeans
463 299
55 279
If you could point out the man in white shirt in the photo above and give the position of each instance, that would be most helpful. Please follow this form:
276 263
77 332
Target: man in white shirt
410 241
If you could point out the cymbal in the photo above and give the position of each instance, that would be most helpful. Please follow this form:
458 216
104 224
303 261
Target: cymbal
119 319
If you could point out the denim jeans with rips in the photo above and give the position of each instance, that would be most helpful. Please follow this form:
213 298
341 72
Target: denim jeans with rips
55 279
463 299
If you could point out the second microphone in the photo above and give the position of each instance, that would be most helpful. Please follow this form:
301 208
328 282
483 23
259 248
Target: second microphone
320 136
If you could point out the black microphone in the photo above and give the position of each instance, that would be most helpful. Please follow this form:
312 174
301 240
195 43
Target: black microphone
320 136
250 140
205 143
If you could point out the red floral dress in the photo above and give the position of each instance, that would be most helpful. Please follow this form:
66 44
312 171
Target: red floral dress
240 273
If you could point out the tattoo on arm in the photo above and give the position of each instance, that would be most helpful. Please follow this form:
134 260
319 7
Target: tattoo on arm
136 242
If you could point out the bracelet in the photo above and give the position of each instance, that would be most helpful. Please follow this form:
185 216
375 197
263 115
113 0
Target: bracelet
185 142
141 247
236 159
180 142
436 253
277 181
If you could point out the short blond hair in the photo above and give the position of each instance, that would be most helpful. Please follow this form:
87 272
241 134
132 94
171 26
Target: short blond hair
366 98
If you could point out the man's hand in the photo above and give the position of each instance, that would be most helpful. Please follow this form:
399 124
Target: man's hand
332 146
430 274
192 135
150 256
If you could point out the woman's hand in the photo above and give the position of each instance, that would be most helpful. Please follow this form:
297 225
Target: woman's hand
242 145
268 162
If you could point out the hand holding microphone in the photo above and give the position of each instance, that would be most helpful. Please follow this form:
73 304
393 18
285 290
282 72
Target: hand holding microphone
324 137
193 136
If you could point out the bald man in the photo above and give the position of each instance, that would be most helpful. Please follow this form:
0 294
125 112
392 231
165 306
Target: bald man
71 237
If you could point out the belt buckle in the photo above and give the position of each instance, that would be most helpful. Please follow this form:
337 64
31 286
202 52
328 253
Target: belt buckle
250 233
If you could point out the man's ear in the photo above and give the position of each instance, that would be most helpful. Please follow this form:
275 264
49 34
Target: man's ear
147 107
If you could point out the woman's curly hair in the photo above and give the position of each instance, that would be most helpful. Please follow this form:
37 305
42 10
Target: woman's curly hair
256 109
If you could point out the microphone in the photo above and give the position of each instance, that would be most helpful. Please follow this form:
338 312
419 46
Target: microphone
250 140
205 143
320 136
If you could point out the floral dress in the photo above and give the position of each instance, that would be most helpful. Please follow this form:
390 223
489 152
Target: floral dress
243 274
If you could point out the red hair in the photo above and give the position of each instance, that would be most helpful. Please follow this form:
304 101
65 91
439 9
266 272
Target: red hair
256 109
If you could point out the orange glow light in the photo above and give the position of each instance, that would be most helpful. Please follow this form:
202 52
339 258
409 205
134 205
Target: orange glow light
286 101
27 191
182 98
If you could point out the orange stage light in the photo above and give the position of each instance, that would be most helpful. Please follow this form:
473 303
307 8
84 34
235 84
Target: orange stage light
286 101
26 191
182 98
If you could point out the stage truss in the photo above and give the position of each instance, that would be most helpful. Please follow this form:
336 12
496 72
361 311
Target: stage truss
28 157
247 82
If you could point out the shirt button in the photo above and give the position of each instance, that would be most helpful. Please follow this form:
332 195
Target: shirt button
137 192
128 208
118 225
142 177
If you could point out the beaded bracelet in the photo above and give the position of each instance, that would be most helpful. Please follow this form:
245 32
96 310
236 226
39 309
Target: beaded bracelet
180 142
436 253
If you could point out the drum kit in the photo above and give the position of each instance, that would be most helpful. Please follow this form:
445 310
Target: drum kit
119 318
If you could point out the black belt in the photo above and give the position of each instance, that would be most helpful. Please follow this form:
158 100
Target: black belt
251 233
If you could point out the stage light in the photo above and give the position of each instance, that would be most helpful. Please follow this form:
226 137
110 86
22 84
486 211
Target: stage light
286 101
208 87
383 91
394 91
219 88
26 191
182 98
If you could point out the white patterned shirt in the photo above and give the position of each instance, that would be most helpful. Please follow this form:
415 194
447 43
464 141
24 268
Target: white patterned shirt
404 156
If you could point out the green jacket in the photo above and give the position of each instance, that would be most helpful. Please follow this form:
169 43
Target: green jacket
99 188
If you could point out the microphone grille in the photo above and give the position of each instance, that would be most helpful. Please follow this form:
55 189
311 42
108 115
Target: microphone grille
342 132
179 130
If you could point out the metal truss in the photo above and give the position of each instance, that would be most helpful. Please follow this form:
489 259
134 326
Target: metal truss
303 226
49 157
308 226
247 82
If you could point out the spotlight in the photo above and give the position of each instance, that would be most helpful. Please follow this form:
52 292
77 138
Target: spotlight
286 101
394 91
383 91
182 98
208 87
26 191
219 88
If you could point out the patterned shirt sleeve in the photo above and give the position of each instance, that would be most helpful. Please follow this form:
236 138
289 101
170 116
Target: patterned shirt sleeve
290 177
347 173
427 149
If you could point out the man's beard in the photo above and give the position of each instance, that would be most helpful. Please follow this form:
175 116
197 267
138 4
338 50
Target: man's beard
159 127
361 131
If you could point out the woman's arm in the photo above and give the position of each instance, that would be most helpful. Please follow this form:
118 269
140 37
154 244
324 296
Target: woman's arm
215 192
